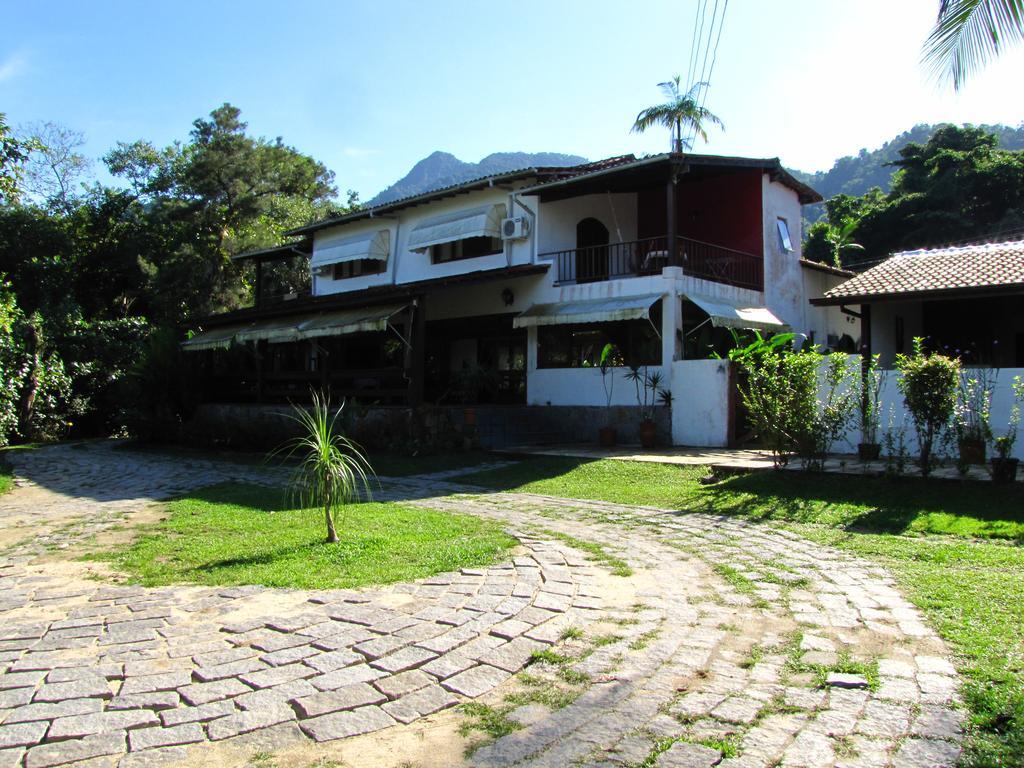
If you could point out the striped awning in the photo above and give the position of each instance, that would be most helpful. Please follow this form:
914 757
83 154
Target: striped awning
372 245
481 221
297 327
590 311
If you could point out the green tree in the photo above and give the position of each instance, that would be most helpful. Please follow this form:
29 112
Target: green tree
682 110
969 34
14 153
957 186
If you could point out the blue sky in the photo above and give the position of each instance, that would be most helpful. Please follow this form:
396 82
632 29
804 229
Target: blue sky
369 88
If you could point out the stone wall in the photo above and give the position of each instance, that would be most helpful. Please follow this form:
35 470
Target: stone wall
439 427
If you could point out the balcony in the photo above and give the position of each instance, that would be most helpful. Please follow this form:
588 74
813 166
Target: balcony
649 256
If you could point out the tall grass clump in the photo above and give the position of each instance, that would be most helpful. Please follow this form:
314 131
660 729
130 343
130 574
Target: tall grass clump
332 470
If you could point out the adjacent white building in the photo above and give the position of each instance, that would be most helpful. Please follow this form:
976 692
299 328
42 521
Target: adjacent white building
503 292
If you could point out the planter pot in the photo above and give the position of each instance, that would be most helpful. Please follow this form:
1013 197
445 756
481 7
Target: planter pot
972 451
607 437
869 451
648 434
469 417
1004 470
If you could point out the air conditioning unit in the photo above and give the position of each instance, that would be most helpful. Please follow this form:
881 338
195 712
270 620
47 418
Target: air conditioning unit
515 229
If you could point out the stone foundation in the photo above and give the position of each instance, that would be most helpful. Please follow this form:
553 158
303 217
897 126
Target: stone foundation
436 427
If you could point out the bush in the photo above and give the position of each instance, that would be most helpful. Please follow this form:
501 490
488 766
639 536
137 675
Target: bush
928 383
781 395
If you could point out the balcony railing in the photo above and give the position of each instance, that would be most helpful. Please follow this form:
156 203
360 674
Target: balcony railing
648 256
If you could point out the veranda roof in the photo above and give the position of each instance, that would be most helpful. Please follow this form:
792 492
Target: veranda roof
590 311
728 314
370 245
297 327
479 221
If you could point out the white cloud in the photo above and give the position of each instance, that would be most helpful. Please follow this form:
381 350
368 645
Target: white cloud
11 67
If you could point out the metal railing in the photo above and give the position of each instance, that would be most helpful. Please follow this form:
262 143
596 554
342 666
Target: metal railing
634 258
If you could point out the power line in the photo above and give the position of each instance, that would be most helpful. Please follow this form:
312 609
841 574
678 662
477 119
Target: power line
693 43
714 58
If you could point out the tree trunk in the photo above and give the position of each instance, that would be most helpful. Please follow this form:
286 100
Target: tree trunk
31 386
332 535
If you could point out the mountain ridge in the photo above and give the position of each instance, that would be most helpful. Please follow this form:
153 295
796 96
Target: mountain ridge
442 169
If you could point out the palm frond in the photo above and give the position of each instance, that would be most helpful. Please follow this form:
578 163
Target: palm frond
969 34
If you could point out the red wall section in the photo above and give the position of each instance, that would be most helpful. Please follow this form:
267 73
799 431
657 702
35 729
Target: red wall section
723 210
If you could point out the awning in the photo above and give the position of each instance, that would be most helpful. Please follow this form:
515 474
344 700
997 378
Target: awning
726 314
297 327
372 245
215 338
590 311
481 221
349 321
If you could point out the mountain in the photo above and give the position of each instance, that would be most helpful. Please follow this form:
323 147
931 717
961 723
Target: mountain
856 175
442 169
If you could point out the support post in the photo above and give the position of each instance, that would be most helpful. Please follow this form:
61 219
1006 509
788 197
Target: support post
258 289
865 353
417 340
671 218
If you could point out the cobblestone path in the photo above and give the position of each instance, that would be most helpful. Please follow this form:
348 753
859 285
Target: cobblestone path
739 644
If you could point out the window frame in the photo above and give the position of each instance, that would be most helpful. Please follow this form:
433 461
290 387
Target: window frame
457 249
366 267
785 236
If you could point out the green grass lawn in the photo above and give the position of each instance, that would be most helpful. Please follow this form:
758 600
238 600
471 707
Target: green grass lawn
234 534
955 548
6 476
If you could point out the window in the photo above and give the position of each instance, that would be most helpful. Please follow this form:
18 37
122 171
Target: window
358 268
784 239
470 248
580 346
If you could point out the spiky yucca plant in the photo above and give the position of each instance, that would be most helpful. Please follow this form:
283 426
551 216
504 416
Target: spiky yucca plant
332 470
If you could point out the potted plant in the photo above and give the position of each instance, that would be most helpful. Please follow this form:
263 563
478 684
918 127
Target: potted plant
872 380
973 415
606 435
469 382
928 383
647 388
1004 466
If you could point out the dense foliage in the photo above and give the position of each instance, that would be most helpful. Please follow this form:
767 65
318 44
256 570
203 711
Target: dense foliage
957 186
929 383
99 280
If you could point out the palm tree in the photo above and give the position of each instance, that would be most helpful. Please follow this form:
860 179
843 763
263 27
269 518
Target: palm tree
840 239
332 471
969 34
681 110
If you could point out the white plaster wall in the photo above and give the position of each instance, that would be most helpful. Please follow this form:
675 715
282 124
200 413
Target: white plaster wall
885 318
556 230
700 403
785 292
405 266
826 321
895 414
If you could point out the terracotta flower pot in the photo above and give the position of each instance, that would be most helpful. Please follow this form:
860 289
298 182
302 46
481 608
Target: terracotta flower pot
469 417
1004 470
648 434
869 451
607 437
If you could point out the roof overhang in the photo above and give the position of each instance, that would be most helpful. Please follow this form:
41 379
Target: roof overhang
656 170
1014 289
284 251
378 295
589 311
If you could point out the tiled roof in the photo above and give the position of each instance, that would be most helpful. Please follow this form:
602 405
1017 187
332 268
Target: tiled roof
967 267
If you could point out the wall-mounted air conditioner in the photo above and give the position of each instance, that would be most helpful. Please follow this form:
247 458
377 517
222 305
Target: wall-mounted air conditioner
515 229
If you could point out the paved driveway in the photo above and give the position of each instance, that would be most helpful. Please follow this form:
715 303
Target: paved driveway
707 655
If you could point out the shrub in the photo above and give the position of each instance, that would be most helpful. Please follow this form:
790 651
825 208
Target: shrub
781 395
928 383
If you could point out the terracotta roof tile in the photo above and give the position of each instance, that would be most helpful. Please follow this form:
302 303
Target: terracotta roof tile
986 265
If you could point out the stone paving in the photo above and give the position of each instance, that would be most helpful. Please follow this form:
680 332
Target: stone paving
743 645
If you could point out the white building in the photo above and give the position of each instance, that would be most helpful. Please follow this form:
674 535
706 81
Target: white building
503 292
